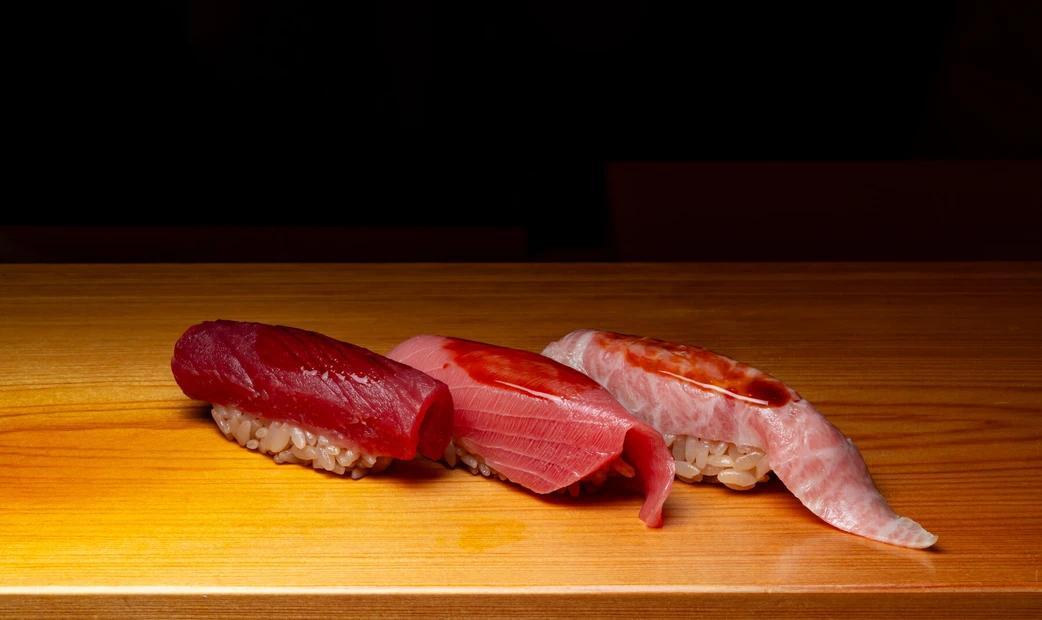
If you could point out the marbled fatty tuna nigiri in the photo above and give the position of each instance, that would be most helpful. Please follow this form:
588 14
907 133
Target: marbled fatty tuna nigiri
306 398
538 423
731 421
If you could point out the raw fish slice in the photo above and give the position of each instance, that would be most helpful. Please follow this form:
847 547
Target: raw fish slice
539 423
691 394
339 406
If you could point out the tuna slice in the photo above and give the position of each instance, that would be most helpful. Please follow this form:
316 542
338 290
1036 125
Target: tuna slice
688 391
539 423
359 404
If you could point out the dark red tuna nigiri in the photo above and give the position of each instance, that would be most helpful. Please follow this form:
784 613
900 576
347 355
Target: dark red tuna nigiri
302 396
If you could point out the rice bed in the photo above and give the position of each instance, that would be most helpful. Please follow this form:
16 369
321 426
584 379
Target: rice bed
702 460
289 443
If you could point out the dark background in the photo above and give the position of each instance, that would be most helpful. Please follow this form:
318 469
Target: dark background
266 130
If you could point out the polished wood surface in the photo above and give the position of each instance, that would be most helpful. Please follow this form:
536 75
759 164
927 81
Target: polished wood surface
118 494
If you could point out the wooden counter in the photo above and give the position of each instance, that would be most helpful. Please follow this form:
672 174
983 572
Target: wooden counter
119 495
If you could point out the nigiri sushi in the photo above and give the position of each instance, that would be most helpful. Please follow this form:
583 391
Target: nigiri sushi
527 419
730 422
305 398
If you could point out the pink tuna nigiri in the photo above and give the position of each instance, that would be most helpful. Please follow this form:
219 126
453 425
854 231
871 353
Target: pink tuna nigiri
307 398
538 423
727 420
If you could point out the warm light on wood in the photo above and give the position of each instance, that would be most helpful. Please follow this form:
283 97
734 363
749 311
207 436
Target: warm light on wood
114 487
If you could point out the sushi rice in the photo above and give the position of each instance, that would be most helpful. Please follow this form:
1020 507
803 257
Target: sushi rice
289 443
736 467
697 460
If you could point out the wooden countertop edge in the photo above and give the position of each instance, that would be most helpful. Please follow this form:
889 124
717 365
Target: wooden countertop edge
599 601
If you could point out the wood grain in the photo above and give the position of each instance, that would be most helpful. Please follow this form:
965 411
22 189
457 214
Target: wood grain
118 495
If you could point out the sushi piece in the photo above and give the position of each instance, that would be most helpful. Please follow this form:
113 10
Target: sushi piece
731 423
305 398
525 418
